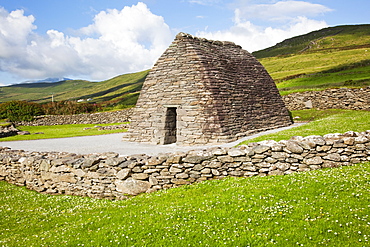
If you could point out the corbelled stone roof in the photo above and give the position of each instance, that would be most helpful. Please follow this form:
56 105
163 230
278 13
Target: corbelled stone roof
215 91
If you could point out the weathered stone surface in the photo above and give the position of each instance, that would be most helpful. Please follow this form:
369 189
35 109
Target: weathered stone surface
182 175
79 172
205 171
279 155
333 156
180 181
65 178
23 133
236 152
175 170
123 174
293 147
195 159
276 172
225 159
132 186
261 149
8 130
89 162
45 165
314 140
140 176
313 161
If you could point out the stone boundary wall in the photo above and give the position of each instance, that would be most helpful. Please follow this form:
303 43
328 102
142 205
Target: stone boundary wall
341 98
86 118
109 176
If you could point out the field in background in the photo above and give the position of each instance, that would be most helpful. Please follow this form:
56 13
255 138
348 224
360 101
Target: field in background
61 131
123 89
328 58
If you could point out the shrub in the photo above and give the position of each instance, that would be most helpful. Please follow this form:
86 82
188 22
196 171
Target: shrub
19 111
69 108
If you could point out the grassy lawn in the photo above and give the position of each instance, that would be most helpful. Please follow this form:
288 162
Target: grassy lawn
319 70
61 131
327 207
326 121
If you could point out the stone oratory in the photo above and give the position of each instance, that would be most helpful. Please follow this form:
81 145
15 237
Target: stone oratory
205 92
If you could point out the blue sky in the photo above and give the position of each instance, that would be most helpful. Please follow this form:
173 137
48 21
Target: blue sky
99 39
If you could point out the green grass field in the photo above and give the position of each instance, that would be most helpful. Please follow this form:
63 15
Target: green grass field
318 71
326 122
61 131
327 207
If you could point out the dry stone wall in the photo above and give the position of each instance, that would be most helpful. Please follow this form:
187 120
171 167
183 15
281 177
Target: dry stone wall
8 130
87 118
109 176
341 98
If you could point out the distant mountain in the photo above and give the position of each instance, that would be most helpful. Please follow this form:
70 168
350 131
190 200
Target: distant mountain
123 89
48 80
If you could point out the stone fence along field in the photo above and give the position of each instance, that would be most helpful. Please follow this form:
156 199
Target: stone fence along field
340 98
107 175
86 118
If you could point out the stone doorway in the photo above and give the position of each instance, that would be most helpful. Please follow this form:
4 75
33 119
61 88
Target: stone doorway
170 128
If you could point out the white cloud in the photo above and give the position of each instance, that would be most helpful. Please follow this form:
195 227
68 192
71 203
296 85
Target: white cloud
253 37
205 2
14 31
281 10
117 42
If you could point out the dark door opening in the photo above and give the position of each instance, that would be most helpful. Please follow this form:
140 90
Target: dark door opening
170 126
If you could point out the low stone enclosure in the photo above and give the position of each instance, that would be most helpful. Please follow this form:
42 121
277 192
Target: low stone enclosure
8 130
86 118
338 98
109 176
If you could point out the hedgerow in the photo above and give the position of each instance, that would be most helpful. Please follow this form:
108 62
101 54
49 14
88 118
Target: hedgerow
20 111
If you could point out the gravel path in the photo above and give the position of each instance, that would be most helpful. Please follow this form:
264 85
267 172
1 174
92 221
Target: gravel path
112 143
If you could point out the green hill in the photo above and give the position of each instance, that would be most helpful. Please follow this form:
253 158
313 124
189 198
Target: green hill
331 38
120 88
331 57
